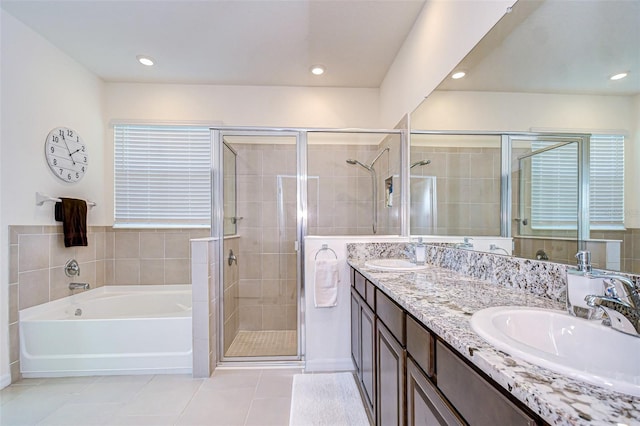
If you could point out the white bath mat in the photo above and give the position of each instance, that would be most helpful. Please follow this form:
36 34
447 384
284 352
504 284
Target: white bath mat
326 400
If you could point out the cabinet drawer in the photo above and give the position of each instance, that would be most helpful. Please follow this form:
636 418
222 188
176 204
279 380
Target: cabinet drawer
474 398
391 315
420 345
371 294
359 282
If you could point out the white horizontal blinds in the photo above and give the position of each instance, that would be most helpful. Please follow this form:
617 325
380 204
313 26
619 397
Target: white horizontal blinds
162 175
554 186
606 186
554 191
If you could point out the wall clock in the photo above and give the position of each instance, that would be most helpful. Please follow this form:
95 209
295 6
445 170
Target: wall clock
66 154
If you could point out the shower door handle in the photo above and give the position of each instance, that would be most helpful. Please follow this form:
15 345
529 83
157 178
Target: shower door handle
232 258
524 221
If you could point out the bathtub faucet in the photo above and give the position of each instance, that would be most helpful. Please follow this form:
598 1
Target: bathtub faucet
76 286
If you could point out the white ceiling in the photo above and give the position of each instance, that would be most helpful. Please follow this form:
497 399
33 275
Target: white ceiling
242 42
558 46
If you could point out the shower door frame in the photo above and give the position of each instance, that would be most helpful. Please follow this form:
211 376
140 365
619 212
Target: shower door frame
217 230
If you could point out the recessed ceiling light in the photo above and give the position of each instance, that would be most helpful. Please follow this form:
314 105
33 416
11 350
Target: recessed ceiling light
317 70
145 60
457 75
619 76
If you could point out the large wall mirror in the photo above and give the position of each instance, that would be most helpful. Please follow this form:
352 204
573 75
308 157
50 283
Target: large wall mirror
544 68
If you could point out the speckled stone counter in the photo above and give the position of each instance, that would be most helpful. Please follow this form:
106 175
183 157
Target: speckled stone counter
444 301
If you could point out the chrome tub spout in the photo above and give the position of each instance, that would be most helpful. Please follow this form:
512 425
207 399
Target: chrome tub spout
78 286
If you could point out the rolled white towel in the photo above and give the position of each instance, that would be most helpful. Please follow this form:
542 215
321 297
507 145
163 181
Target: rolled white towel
327 277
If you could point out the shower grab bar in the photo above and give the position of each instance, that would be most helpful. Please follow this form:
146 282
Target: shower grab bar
41 199
325 247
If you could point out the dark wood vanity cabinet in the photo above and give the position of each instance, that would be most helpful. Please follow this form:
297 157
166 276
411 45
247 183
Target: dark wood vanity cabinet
408 376
363 337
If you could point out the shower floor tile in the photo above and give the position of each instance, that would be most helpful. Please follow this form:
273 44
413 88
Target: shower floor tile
264 343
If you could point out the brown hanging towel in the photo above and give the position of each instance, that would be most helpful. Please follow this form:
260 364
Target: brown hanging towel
73 213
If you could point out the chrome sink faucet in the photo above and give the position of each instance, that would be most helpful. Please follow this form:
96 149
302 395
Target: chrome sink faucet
596 294
623 311
466 244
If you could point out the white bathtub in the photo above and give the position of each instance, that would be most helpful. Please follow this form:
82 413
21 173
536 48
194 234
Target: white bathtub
109 330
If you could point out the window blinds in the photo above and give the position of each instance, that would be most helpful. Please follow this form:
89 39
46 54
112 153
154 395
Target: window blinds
554 185
606 185
162 176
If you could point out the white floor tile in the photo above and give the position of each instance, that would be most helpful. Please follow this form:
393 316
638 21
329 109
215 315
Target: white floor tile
269 412
231 397
72 414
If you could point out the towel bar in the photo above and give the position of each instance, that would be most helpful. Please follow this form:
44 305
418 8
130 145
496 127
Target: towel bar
323 248
41 199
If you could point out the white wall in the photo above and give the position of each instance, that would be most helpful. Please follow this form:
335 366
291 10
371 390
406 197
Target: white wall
447 110
327 330
443 34
42 88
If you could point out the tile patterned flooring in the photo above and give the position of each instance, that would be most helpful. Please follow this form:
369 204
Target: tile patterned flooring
264 343
229 397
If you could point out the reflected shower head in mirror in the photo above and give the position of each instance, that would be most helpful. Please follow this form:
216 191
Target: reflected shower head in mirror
352 161
370 166
420 163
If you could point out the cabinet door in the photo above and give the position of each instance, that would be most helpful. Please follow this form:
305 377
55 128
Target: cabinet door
390 376
367 356
355 332
425 405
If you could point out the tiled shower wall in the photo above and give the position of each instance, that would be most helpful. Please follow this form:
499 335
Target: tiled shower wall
113 257
468 188
340 194
267 288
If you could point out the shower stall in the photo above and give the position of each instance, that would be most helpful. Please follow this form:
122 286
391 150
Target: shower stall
271 188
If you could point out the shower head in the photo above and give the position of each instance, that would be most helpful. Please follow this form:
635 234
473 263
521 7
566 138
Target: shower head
352 161
420 163
370 166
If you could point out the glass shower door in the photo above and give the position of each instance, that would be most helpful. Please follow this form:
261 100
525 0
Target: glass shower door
261 295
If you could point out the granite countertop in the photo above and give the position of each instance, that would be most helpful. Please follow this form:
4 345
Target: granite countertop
444 301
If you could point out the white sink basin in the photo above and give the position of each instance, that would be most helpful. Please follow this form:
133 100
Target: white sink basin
585 350
393 265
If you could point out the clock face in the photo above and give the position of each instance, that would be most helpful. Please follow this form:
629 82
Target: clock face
66 154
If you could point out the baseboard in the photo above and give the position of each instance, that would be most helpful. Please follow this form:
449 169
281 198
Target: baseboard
5 381
340 364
